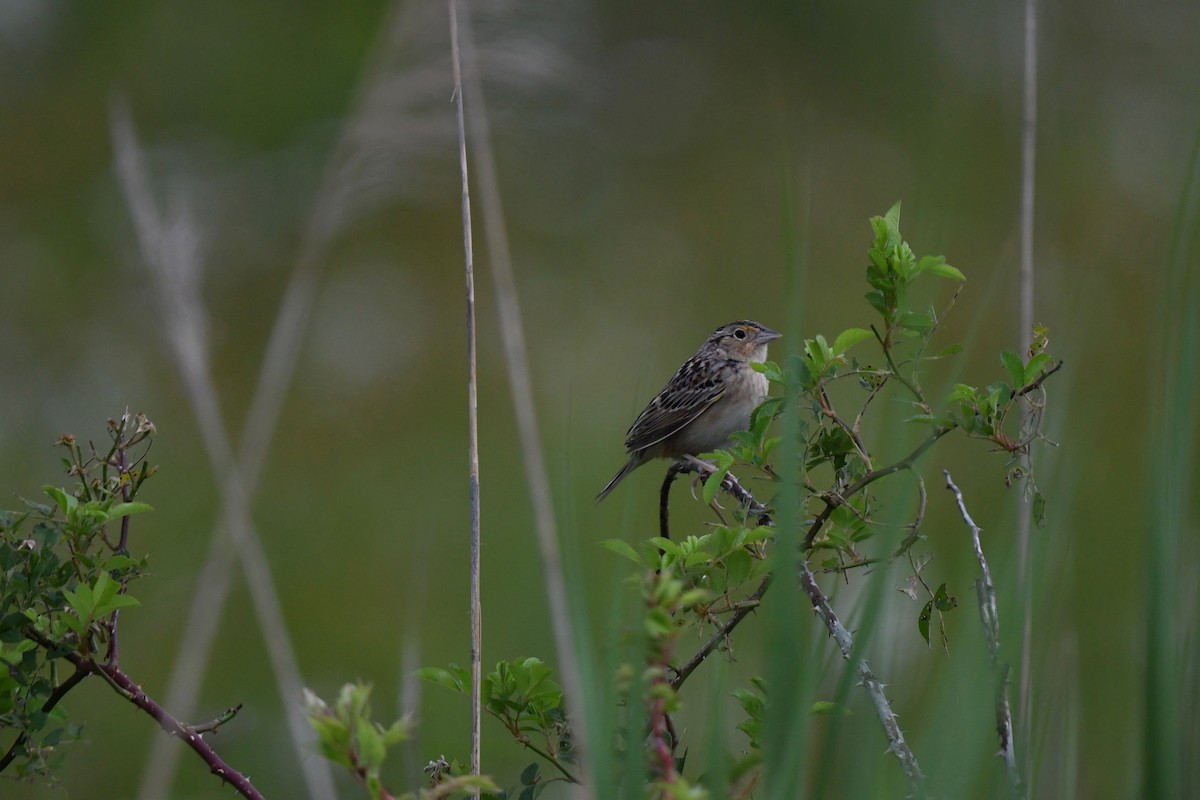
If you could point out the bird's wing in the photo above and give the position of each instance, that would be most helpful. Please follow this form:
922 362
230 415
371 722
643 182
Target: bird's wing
685 397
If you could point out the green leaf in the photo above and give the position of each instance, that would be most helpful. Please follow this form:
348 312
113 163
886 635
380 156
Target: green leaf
71 622
923 621
104 588
712 484
65 502
442 677
1039 509
825 707
917 321
944 601
751 703
947 351
529 775
127 509
848 338
622 548
1012 363
666 545
770 369
120 561
936 265
1033 369
738 565
82 601
370 744
114 603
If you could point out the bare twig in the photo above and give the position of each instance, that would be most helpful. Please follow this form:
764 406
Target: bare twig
472 402
521 385
664 497
741 612
897 745
217 722
991 629
129 689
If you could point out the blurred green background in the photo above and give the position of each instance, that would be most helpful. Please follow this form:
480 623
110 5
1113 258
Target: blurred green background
656 161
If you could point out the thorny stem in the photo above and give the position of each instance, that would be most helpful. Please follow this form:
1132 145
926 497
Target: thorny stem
991 629
743 610
896 742
214 724
128 689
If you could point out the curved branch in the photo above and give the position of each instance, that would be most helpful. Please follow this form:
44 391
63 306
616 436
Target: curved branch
664 495
991 629
897 745
127 688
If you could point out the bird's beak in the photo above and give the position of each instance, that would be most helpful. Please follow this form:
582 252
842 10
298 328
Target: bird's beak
767 335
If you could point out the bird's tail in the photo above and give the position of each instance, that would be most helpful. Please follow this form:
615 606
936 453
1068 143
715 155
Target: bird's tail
629 467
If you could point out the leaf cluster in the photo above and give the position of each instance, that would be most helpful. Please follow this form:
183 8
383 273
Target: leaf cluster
347 735
523 697
64 573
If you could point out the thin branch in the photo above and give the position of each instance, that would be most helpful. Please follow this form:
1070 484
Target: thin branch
742 610
129 689
114 623
828 410
213 724
664 496
472 403
897 745
917 394
991 629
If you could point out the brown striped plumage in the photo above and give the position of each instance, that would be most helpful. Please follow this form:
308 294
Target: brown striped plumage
711 396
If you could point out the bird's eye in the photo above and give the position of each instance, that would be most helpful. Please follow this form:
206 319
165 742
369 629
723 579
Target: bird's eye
740 333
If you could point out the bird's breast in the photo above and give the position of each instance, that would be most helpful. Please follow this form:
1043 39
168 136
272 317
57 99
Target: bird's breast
711 430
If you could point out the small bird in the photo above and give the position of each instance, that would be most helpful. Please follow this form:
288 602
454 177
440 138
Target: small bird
710 397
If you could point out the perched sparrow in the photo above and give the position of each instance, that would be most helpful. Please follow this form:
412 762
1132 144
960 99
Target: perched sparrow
710 397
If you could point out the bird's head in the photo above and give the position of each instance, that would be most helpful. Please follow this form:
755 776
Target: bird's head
743 340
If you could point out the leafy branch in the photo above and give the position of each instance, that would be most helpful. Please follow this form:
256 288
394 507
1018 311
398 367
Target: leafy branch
63 583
